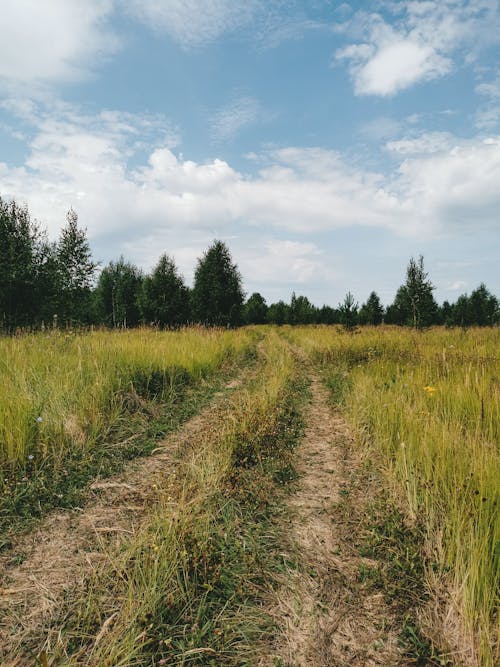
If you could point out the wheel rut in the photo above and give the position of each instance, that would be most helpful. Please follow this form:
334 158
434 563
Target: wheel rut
325 616
56 558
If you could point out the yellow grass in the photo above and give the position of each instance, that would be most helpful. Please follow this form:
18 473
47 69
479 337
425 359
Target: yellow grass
64 390
154 573
428 407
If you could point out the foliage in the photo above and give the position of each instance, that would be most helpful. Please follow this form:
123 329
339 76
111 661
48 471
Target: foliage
26 268
348 312
217 295
278 313
414 304
372 312
165 298
255 309
117 294
301 310
43 283
76 271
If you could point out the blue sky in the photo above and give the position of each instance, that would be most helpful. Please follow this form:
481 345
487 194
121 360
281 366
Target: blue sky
326 142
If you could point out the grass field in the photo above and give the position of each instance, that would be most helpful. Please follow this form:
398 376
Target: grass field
186 587
427 408
65 398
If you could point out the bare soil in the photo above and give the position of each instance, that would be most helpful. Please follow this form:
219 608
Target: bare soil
326 616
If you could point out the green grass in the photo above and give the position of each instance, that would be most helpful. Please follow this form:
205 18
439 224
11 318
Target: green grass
187 589
427 408
132 389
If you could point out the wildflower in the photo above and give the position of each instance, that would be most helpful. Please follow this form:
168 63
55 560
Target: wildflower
30 457
39 419
429 389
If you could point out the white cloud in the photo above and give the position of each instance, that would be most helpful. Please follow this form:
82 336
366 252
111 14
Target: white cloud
287 263
55 40
94 164
194 22
488 116
237 115
456 285
426 142
455 189
420 45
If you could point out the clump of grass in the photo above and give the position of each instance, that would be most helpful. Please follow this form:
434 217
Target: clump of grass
184 590
73 405
427 406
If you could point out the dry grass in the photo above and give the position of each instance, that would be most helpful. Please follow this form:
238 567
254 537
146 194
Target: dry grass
179 589
427 406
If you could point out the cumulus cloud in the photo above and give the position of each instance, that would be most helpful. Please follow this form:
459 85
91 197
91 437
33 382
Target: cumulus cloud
95 164
53 41
420 44
286 263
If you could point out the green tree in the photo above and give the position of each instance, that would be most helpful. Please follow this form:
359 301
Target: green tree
217 296
165 297
327 315
483 307
76 271
117 294
255 309
301 310
278 313
21 260
414 303
371 312
348 311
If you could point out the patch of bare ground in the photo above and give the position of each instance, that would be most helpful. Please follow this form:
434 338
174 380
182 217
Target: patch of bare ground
326 616
46 565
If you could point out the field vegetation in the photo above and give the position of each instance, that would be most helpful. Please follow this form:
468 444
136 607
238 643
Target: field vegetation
183 590
427 408
187 584
67 399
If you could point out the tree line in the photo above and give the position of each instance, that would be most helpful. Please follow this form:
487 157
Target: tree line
56 283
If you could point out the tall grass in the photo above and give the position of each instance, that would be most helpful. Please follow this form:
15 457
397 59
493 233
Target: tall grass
62 391
178 593
428 407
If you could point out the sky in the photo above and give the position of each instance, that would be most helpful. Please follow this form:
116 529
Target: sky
325 142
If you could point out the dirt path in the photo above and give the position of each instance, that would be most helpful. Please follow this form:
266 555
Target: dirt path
45 564
326 616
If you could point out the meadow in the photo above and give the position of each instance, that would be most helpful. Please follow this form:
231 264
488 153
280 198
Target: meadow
426 406
186 586
66 397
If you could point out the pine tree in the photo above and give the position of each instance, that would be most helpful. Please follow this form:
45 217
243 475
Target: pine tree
348 311
76 271
371 312
165 298
217 296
